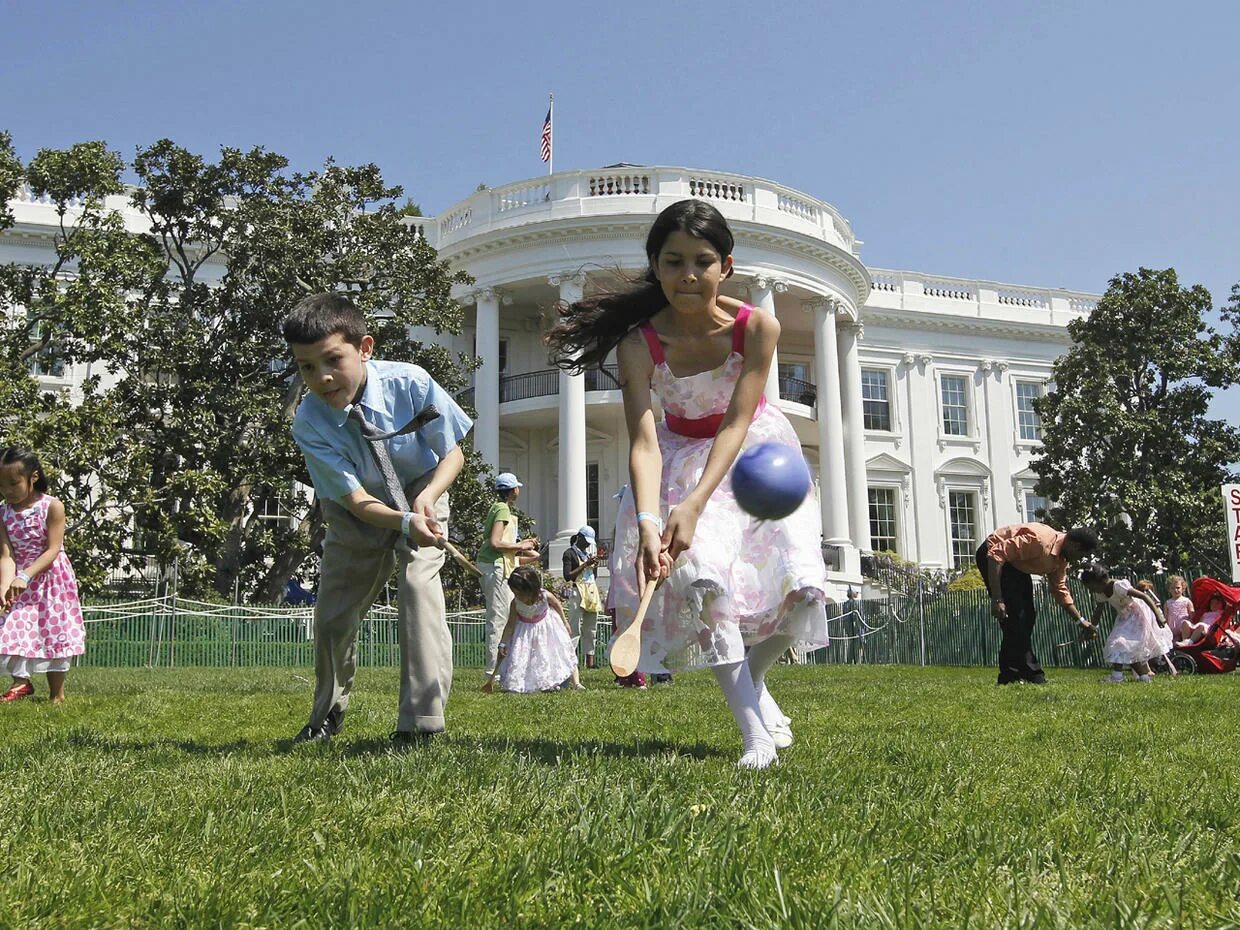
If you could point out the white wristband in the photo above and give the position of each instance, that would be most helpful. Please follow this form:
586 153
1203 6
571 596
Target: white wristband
405 521
24 577
652 517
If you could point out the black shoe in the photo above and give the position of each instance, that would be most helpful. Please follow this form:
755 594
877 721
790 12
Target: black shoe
313 734
335 721
407 739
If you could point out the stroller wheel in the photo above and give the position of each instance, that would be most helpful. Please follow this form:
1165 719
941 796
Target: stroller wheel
1184 663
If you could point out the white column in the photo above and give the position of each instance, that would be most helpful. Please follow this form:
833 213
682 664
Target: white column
486 378
832 487
762 293
854 436
997 435
572 453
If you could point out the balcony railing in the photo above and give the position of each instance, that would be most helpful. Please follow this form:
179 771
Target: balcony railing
801 392
546 383
625 189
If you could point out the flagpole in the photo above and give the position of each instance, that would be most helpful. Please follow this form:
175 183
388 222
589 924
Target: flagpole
551 158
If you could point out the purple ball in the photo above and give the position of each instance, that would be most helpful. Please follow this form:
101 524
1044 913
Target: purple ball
770 480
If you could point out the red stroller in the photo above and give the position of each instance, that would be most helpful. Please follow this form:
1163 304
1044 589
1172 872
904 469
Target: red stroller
1216 653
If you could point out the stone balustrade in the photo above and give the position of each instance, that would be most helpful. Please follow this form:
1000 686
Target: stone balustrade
912 291
638 190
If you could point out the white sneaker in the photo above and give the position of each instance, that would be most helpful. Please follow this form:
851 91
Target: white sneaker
781 735
758 759
1115 678
1145 679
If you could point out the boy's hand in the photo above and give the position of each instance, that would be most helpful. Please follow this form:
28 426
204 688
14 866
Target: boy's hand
426 531
424 505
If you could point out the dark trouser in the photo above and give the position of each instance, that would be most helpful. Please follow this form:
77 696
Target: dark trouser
1017 661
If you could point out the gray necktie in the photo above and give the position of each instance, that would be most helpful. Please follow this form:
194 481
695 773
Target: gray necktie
378 447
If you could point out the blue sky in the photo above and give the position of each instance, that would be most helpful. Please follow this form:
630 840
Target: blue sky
1052 144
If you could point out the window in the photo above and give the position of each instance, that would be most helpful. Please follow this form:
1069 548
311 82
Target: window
1028 421
875 402
962 510
795 383
270 508
1036 507
955 405
592 496
883 520
503 356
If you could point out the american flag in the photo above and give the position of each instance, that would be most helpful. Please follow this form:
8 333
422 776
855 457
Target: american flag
546 138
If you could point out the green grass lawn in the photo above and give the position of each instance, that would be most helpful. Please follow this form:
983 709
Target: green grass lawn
912 798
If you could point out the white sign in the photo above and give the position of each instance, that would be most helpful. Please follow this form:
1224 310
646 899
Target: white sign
1231 504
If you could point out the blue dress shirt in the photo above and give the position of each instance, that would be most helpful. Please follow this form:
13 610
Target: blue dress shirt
340 460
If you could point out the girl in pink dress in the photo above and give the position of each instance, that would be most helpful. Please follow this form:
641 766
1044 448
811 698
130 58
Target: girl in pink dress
42 629
738 591
1179 608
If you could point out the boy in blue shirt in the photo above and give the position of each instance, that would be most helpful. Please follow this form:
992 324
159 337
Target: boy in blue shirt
368 527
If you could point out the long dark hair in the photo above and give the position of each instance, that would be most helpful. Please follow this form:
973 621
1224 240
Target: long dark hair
588 329
17 455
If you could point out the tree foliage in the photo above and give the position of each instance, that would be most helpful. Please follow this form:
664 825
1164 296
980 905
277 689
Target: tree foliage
181 437
1127 443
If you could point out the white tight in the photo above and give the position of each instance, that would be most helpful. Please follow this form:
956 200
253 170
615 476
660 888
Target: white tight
737 684
761 658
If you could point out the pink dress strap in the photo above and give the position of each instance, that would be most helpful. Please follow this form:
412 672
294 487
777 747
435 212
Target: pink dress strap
652 340
738 329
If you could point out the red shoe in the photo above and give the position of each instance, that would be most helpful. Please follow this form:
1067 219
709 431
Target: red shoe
17 692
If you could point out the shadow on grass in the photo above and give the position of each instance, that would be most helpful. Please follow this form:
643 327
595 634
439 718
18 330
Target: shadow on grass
87 740
545 751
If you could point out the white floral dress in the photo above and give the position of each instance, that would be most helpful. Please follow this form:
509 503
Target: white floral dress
540 655
742 580
1136 635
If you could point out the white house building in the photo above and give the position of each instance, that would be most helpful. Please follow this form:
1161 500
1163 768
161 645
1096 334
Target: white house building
911 393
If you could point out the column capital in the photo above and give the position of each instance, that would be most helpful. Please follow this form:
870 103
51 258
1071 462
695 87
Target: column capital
488 293
566 277
769 282
854 328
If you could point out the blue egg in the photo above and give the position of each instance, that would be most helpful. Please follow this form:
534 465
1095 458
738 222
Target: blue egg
770 480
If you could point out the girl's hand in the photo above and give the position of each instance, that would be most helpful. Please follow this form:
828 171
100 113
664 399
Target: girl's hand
652 558
681 526
16 588
489 687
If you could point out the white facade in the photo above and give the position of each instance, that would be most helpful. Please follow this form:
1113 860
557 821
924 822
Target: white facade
910 392
956 360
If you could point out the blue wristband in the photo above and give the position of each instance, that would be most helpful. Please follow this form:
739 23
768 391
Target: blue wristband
652 517
405 521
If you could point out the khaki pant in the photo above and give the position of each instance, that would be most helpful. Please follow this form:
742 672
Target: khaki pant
498 598
357 561
583 623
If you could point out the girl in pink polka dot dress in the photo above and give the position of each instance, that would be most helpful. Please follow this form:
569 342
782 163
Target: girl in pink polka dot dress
42 629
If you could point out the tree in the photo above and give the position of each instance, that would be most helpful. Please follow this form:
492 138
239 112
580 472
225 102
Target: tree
187 316
1127 445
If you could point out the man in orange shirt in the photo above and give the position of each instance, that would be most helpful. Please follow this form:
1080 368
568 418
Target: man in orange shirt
1007 560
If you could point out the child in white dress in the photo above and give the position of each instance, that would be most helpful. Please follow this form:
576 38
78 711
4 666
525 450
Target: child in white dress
1140 632
738 591
536 648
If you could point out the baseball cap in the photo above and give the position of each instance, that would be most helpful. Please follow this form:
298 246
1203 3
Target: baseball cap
506 481
587 531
